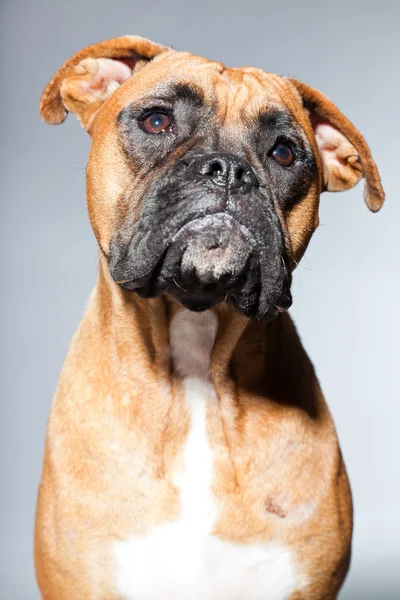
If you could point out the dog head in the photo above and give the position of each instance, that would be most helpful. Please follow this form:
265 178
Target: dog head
203 182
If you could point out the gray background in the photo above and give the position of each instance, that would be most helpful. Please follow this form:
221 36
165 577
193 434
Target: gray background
346 289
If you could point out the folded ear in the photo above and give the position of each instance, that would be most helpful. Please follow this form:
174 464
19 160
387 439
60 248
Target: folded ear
89 77
345 155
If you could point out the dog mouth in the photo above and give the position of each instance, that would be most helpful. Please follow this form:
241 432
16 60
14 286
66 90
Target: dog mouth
210 249
207 262
210 259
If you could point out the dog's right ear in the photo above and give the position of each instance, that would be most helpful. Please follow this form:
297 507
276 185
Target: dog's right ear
89 77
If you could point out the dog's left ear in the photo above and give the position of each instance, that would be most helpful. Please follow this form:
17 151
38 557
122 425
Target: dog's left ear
345 155
92 75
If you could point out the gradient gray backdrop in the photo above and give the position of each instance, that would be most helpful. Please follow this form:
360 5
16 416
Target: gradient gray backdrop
345 291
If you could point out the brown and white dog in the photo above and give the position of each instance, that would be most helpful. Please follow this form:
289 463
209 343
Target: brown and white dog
190 453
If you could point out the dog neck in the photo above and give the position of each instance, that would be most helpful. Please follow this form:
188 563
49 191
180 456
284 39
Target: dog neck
133 344
142 327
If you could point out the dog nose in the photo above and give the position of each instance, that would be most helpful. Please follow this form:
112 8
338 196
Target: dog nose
225 170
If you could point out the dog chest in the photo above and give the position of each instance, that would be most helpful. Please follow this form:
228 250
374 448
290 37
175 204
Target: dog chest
182 560
176 562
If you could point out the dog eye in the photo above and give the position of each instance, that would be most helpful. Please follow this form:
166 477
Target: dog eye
156 123
283 155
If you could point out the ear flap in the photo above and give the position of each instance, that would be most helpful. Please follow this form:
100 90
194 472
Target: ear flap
344 152
88 78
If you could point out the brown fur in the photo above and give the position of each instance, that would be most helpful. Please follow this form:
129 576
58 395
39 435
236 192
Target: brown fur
118 423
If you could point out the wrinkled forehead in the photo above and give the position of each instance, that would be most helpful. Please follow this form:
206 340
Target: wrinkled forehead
236 95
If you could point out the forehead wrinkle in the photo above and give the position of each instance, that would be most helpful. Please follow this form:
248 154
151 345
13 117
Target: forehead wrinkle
259 96
243 95
232 93
267 83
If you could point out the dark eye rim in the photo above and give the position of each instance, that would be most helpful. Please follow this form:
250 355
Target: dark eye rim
156 111
292 147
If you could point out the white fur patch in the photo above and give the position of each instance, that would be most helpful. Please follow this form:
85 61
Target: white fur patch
181 560
192 337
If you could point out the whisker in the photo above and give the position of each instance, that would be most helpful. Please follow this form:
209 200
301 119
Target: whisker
179 286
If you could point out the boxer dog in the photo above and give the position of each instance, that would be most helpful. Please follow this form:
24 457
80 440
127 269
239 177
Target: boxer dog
190 453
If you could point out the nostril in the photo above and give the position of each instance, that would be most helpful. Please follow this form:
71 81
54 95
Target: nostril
239 173
216 168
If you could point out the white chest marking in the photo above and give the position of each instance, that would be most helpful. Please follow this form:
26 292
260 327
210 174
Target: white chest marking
181 560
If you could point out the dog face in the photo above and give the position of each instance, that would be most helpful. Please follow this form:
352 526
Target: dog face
204 182
221 161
